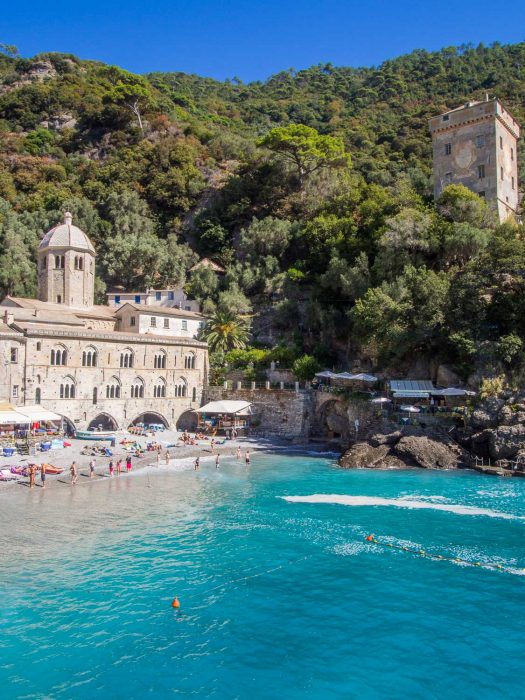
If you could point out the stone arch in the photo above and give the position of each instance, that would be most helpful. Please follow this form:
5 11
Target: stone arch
187 421
68 424
149 417
331 419
105 420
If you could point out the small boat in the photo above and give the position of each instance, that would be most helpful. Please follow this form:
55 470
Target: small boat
94 435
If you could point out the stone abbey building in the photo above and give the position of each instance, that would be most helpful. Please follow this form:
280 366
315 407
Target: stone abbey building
476 145
93 364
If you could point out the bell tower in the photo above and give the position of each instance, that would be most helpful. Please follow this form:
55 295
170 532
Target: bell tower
66 266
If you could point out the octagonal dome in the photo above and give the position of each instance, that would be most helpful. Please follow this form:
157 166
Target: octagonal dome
66 235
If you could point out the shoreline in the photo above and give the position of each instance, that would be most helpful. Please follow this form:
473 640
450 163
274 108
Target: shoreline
63 458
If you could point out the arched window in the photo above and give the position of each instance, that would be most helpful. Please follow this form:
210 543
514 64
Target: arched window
38 395
67 388
60 262
126 358
159 361
181 387
57 262
137 388
159 390
89 357
113 388
189 361
79 263
58 356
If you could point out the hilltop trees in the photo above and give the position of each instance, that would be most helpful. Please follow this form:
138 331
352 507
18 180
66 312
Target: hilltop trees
306 149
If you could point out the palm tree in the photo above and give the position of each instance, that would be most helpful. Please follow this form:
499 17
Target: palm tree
225 332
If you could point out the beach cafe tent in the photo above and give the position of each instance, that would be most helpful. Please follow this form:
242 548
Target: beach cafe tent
452 391
411 388
362 377
326 374
225 415
38 413
9 415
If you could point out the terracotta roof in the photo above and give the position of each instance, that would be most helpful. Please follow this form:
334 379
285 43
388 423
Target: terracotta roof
95 311
66 235
160 311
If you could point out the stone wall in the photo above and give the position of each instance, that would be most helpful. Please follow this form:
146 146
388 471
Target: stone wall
285 414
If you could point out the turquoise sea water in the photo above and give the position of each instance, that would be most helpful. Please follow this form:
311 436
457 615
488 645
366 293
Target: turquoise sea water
279 599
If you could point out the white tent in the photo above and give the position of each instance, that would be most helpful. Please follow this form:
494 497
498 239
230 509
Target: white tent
452 391
239 408
326 374
410 409
381 399
9 415
362 377
38 413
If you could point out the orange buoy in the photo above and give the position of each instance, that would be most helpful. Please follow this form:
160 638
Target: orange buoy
175 603
370 538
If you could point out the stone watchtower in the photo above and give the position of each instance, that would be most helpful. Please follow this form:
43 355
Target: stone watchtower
476 146
66 266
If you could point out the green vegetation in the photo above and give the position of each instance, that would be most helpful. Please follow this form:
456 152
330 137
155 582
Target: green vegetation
312 189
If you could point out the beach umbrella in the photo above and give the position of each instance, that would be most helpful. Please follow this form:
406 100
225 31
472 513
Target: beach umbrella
381 399
410 409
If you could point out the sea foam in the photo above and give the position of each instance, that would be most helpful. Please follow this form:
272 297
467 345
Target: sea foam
411 503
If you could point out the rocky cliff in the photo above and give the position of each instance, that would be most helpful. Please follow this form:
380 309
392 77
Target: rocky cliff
409 447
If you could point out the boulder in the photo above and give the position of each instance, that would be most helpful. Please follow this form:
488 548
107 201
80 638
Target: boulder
429 453
506 441
363 454
445 376
487 415
389 439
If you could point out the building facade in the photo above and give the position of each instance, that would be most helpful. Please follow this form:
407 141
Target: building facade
97 365
175 298
476 145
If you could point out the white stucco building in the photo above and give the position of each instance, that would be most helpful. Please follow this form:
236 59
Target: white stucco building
93 364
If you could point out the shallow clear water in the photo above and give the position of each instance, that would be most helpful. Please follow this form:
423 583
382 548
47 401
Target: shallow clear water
88 575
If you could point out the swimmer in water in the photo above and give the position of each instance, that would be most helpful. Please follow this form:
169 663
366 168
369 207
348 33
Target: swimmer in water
197 464
238 453
217 461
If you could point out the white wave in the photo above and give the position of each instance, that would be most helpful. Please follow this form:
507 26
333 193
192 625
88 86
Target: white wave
343 500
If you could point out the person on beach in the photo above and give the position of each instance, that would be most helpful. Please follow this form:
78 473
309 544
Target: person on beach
197 464
74 473
128 464
119 467
212 444
247 456
43 469
168 456
238 453
92 466
158 458
31 475
111 468
217 461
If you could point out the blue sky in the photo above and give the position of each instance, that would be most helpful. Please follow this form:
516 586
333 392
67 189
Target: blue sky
252 39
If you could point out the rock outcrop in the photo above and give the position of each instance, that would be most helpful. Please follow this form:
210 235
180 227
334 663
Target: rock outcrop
411 447
497 428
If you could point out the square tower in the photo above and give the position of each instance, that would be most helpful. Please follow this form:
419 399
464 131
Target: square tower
476 146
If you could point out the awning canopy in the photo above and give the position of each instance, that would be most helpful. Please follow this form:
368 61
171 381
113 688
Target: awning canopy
452 391
38 413
411 395
9 415
410 385
360 377
326 374
230 407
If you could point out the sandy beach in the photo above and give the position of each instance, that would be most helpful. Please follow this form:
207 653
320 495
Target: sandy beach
64 457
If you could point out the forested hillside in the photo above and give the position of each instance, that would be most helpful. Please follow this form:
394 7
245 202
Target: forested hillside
312 189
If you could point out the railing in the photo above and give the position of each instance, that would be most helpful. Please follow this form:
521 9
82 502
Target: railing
229 385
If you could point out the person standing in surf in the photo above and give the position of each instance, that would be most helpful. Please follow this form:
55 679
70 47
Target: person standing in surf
217 461
128 464
43 469
74 473
247 457
92 466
